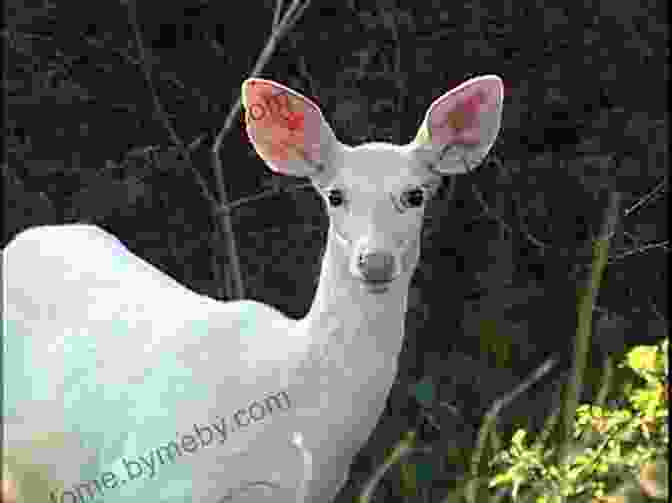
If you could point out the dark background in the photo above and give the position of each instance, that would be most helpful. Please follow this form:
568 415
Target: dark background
585 112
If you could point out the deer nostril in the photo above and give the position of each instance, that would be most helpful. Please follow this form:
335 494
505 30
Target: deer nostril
377 266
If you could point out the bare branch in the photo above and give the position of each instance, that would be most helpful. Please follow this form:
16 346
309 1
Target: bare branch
402 451
641 249
262 195
296 10
651 195
146 68
524 230
276 13
278 30
276 35
302 68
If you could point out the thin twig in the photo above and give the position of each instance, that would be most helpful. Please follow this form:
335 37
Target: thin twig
294 11
303 69
146 68
403 450
263 195
276 13
642 201
277 32
306 228
490 417
524 229
488 211
640 249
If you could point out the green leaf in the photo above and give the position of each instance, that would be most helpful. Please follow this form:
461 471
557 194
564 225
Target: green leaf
502 478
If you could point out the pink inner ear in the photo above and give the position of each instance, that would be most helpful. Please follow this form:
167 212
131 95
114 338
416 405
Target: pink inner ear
456 118
282 125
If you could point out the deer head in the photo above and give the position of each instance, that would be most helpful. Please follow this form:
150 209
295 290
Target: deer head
375 193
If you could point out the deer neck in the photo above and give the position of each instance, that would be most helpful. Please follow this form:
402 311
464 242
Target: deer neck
350 328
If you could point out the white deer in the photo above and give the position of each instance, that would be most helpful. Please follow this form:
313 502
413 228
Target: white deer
121 384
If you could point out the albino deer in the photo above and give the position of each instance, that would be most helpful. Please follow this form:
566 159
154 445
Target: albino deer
122 385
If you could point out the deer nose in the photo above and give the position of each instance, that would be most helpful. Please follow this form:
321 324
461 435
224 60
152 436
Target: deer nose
376 266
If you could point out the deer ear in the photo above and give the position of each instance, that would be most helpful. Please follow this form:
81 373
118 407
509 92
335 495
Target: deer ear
286 129
461 126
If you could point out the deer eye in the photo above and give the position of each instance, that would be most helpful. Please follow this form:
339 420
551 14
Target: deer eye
413 198
335 197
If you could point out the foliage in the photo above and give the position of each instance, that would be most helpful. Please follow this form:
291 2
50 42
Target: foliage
617 454
611 446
